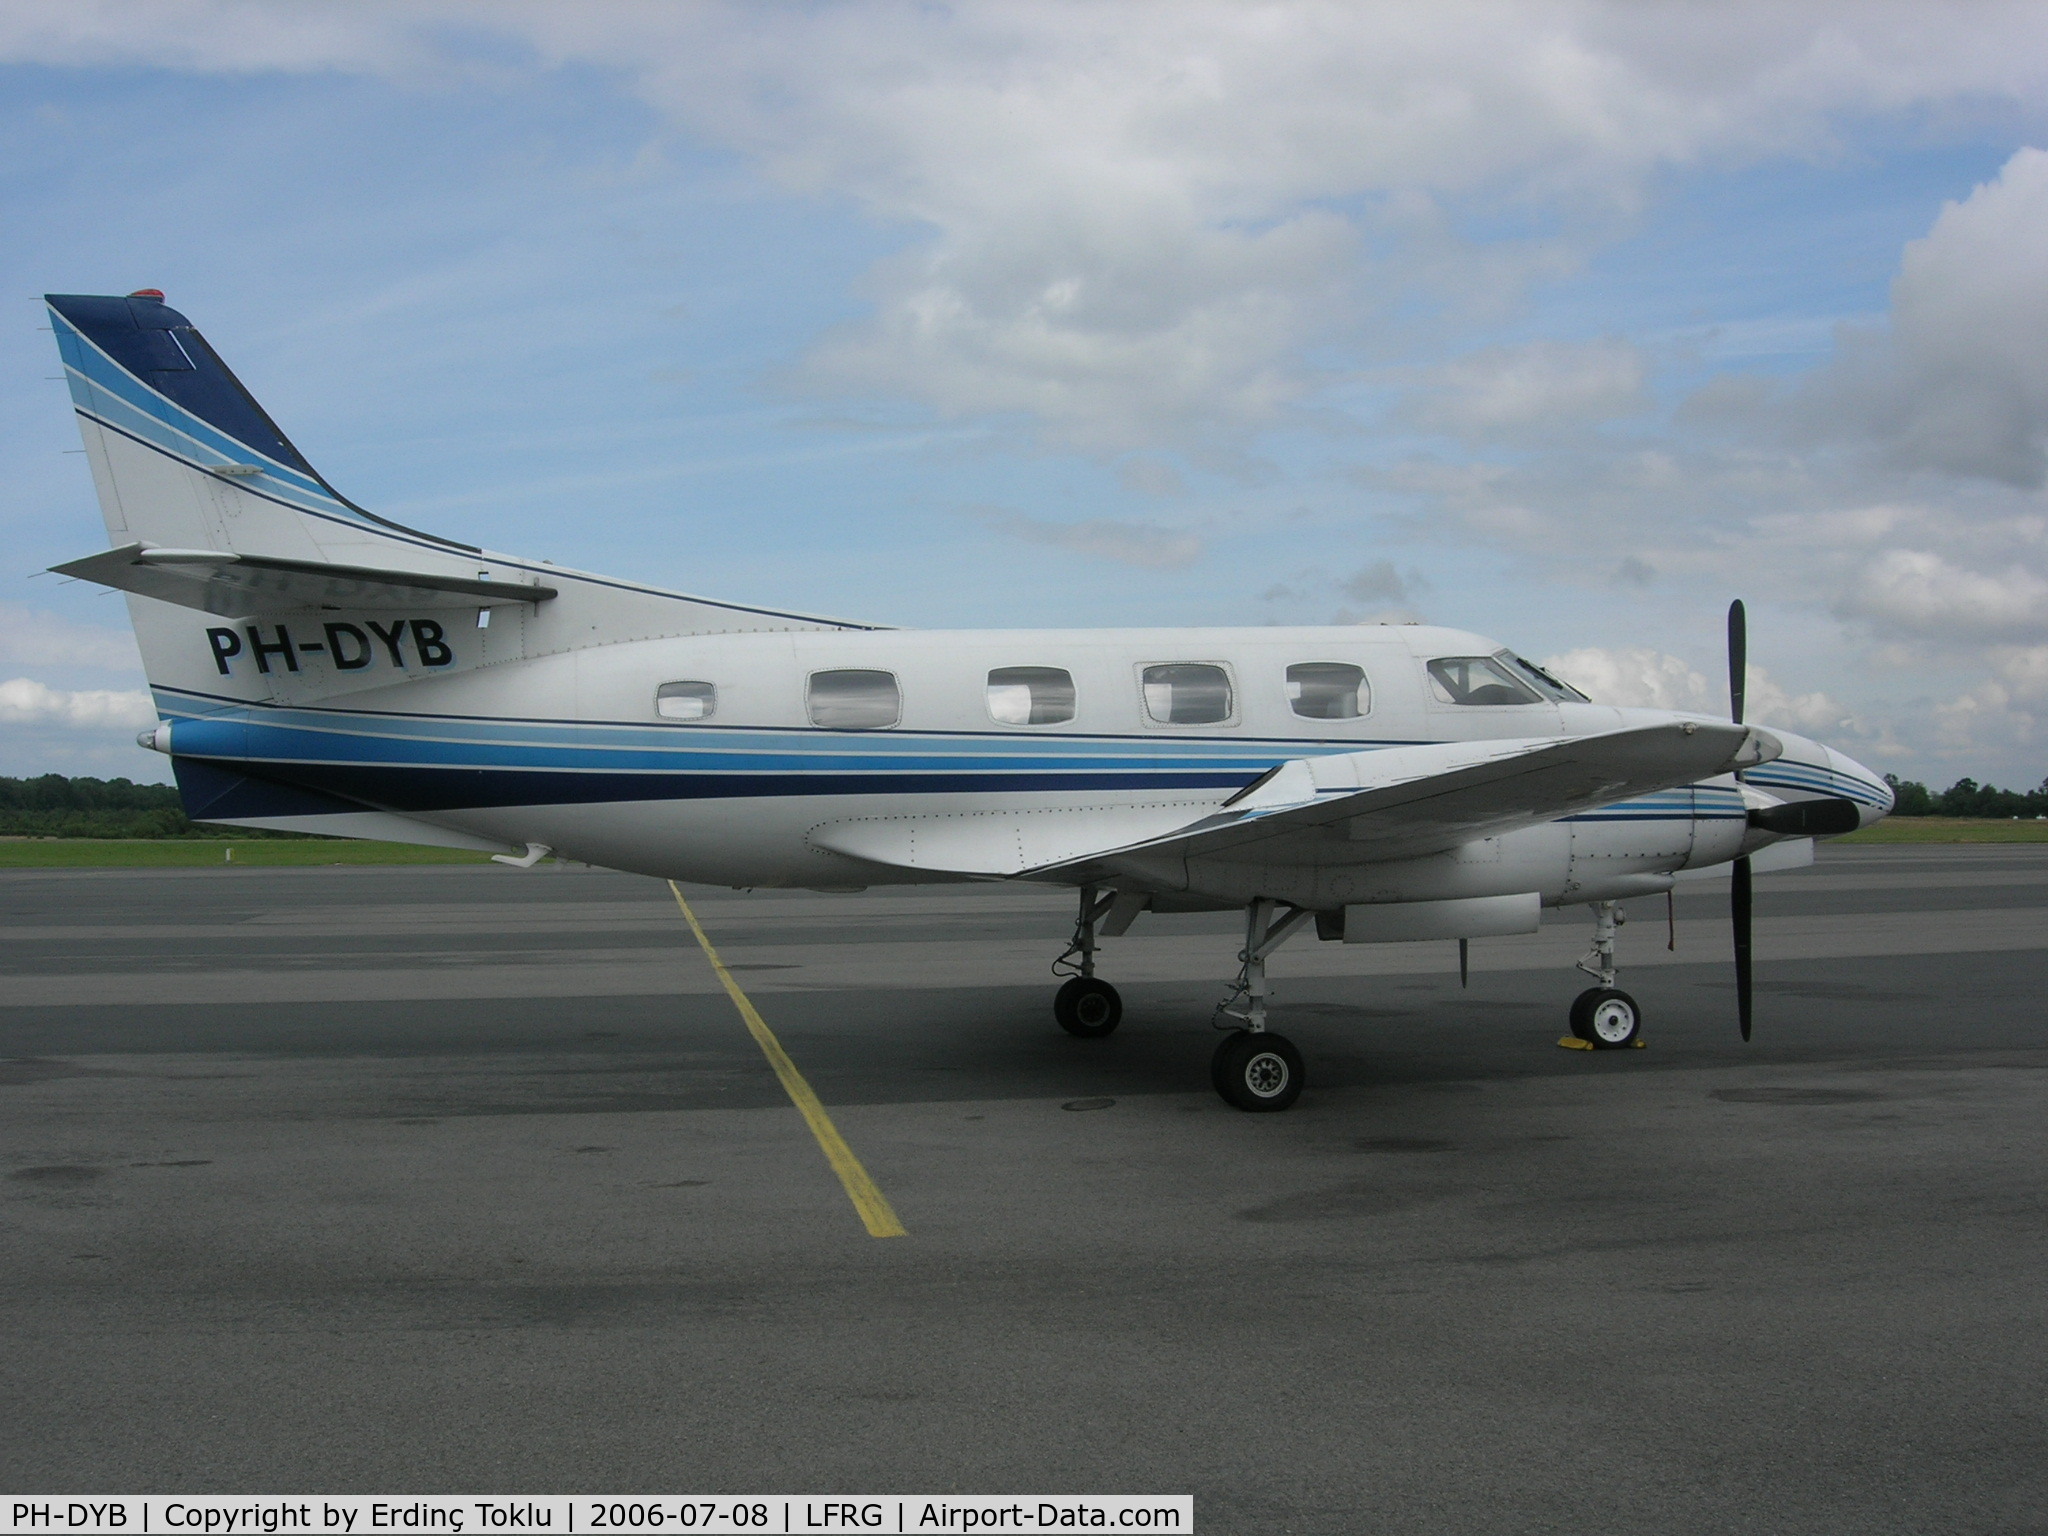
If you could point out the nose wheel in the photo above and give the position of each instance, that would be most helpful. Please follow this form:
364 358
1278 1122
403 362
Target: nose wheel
1257 1072
1087 1006
1606 1018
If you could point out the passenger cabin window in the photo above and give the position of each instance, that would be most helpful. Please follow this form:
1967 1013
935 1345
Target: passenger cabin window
854 699
1187 693
1477 680
1030 695
1328 690
685 701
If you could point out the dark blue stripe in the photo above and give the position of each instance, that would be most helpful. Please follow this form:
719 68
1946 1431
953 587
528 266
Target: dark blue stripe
411 788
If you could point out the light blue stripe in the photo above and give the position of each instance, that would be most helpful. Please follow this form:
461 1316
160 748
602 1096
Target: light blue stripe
102 386
1819 780
313 736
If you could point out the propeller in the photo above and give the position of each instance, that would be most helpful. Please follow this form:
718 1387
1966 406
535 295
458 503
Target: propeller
1740 898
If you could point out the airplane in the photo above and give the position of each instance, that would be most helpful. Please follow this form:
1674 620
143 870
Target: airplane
319 668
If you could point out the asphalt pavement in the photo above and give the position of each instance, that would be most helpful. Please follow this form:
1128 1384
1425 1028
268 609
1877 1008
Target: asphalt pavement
460 1179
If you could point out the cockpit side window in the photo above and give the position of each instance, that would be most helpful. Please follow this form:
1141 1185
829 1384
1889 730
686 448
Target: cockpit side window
1477 680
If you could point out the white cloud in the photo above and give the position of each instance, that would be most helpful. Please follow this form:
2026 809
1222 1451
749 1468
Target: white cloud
1917 592
1145 545
214 36
2025 672
1638 677
1645 678
31 638
1958 381
1379 582
1546 384
24 701
1137 219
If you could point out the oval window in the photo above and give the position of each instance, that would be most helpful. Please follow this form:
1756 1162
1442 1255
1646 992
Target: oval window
685 701
1030 695
1327 690
1187 693
854 699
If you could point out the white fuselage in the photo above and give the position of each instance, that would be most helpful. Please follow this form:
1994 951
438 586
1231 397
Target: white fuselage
572 750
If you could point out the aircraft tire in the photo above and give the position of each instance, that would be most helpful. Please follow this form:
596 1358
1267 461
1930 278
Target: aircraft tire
1258 1073
1606 1018
1087 1006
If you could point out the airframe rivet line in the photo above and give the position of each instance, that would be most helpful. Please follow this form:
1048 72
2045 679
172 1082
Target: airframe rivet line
866 1195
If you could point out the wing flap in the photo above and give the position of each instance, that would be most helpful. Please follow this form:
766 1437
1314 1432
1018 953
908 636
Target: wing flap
239 586
997 844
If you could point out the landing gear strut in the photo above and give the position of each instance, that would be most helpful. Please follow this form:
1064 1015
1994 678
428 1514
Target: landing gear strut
1086 1005
1605 1017
1255 1069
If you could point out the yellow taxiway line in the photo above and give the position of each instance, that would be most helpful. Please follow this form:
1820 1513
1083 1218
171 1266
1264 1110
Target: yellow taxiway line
861 1189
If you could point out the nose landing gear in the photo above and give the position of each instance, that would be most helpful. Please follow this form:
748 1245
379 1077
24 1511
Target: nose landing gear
1605 1017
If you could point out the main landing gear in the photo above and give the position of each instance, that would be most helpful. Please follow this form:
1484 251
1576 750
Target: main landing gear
1255 1069
1086 1005
1605 1017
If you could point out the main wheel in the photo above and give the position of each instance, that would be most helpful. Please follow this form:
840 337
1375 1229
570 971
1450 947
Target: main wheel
1087 1006
1606 1019
1257 1072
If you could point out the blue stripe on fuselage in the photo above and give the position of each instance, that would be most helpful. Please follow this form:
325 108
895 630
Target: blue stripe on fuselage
440 763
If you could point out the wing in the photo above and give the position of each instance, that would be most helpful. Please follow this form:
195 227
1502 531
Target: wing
1352 807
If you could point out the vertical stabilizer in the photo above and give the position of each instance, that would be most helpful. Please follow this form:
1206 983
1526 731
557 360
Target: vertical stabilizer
212 513
184 457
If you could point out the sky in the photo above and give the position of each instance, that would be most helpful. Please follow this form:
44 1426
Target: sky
1564 322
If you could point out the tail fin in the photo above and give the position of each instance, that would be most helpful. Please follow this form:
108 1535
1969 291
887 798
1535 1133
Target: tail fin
217 518
214 515
158 407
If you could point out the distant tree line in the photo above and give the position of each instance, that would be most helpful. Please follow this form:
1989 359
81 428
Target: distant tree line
56 806
1966 797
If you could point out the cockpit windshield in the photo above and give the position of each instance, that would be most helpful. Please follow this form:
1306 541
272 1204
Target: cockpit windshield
1549 684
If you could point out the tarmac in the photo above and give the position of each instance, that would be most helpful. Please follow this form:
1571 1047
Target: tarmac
462 1179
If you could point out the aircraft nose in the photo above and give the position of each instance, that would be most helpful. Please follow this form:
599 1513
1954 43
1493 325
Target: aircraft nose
1873 796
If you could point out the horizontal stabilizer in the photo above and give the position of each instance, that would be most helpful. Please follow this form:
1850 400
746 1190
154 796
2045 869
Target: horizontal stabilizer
237 586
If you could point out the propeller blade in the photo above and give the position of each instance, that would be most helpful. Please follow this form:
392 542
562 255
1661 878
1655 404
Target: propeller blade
1738 659
1739 906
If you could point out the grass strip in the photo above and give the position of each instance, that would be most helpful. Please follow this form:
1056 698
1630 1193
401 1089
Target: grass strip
212 853
1949 829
